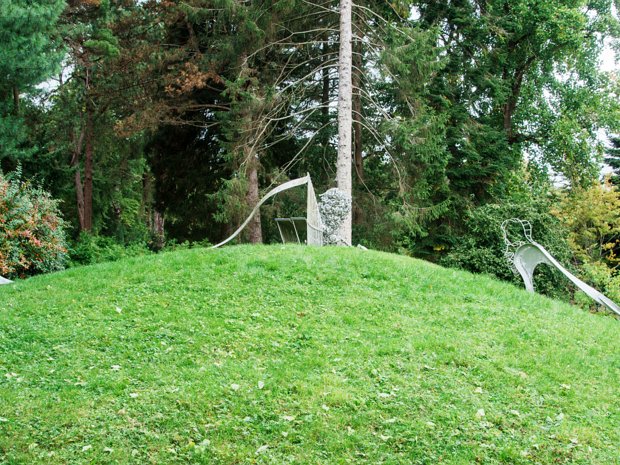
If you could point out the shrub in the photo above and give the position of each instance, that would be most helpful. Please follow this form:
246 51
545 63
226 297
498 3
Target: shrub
90 249
481 248
32 236
592 218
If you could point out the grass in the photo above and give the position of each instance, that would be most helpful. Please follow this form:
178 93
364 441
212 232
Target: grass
294 355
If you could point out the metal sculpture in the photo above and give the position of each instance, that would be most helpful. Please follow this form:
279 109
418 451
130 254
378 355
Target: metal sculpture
525 255
313 217
292 229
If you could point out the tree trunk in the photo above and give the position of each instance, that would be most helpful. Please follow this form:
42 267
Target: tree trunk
325 79
15 101
147 183
88 173
77 177
157 229
343 164
79 197
254 228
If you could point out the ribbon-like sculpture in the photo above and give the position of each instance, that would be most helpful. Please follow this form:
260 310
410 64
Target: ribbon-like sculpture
313 217
525 255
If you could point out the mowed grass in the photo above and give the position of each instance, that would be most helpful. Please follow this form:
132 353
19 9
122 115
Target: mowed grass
295 355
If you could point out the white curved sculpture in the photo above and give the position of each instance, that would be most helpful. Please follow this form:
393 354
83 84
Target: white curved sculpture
526 255
5 281
313 217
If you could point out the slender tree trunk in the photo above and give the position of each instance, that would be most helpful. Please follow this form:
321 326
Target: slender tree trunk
157 230
84 190
325 96
343 164
88 173
250 131
77 177
15 100
254 228
79 197
146 196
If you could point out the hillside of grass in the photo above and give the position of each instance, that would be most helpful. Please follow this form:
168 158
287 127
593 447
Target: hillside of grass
296 355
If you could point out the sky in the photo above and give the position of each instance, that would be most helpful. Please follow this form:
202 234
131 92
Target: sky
608 62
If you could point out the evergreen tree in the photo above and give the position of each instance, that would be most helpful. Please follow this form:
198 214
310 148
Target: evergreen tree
29 54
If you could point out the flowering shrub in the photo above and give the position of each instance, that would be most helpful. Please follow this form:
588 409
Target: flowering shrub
32 237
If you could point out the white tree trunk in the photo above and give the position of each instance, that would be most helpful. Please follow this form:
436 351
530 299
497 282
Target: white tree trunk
345 120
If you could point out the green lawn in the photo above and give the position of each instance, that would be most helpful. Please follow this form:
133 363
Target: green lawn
279 355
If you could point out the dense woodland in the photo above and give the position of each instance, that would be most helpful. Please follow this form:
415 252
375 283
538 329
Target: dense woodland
157 123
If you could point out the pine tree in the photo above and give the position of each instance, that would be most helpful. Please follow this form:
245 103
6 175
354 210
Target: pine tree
29 54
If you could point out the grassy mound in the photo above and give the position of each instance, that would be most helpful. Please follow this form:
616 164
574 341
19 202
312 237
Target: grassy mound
297 355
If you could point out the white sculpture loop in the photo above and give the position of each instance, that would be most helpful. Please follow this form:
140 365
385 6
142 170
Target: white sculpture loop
525 255
512 246
313 217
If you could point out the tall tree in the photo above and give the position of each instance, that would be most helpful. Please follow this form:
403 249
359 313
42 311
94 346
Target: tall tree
90 43
527 72
345 120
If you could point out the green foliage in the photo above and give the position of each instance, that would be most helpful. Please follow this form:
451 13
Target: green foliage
103 44
521 75
592 218
28 55
297 355
89 249
32 237
480 249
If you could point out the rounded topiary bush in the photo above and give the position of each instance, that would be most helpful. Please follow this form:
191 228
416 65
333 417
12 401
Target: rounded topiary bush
32 236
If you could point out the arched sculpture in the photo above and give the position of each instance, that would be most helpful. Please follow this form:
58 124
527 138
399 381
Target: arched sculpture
5 281
313 217
525 255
